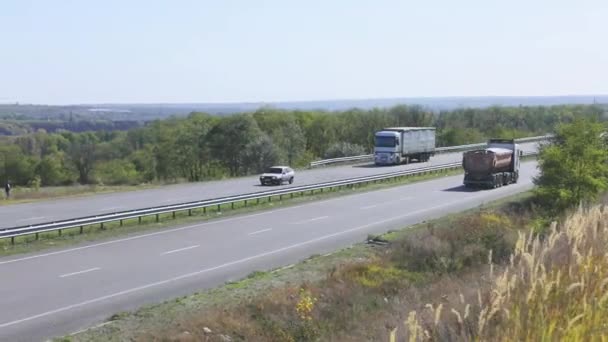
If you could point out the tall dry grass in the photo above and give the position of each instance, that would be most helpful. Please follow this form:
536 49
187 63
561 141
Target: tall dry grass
555 289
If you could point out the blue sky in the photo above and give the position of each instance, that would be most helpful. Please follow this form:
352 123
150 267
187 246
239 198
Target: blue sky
67 52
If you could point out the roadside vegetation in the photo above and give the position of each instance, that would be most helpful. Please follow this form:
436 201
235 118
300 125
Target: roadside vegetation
204 147
529 269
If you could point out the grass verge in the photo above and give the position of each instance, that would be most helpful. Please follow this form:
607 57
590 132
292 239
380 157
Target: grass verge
66 237
358 293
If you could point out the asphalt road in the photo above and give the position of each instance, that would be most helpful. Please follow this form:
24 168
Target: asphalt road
61 209
60 292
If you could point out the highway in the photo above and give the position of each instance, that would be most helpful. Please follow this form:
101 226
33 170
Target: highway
62 291
67 208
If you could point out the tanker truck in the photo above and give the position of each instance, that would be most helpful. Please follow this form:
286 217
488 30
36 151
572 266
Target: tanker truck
492 167
397 145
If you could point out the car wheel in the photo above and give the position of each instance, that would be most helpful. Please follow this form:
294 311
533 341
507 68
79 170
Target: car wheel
291 180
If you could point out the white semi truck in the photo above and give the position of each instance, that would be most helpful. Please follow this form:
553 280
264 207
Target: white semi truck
396 145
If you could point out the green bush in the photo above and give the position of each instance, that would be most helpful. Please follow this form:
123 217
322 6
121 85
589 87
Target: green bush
116 172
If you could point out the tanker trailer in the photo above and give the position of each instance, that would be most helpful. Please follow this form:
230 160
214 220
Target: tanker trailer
492 167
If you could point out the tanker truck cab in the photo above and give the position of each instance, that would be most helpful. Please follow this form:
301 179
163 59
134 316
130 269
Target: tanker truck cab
386 148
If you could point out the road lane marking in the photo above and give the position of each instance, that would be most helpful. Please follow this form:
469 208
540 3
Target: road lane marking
109 208
260 231
387 202
311 220
31 218
228 264
169 231
79 272
180 250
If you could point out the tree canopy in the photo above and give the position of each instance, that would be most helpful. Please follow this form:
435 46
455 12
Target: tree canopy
201 146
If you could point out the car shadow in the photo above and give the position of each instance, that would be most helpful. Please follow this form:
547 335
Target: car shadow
462 188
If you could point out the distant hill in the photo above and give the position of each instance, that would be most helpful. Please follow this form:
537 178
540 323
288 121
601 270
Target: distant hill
146 112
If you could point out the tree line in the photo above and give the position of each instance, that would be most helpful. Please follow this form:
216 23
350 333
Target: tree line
202 146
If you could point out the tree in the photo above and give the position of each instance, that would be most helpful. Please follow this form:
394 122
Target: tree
260 154
82 154
574 168
229 140
51 170
191 147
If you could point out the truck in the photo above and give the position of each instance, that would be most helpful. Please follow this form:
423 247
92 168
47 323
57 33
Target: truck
494 166
397 145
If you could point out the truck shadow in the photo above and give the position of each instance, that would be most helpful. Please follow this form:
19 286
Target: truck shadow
368 166
462 188
372 165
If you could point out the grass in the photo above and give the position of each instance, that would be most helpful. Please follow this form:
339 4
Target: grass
31 243
552 289
26 195
359 293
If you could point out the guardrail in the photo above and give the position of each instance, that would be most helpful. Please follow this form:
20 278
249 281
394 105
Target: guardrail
438 150
58 226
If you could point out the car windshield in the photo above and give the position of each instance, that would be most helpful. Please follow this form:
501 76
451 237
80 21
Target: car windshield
385 141
274 170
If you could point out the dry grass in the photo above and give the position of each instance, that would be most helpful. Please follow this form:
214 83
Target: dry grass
554 289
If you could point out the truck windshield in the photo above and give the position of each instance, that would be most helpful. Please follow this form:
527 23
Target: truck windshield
274 170
385 141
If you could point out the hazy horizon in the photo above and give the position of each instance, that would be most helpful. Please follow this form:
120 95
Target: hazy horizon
268 51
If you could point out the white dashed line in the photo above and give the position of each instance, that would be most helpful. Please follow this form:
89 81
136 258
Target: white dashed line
260 231
312 220
79 272
180 250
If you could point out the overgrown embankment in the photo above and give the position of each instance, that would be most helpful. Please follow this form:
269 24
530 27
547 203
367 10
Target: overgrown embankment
552 289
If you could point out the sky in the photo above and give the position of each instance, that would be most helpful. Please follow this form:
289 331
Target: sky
152 51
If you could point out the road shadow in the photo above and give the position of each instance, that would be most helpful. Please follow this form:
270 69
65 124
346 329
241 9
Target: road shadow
372 165
369 166
462 188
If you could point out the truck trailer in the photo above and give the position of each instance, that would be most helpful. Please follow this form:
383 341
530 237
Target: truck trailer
396 145
494 166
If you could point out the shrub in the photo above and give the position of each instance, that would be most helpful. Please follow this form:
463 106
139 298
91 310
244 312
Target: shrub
116 172
344 149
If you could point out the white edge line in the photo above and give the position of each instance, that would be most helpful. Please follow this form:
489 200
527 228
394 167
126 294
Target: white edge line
207 270
31 218
260 231
91 328
79 272
369 206
109 208
180 250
